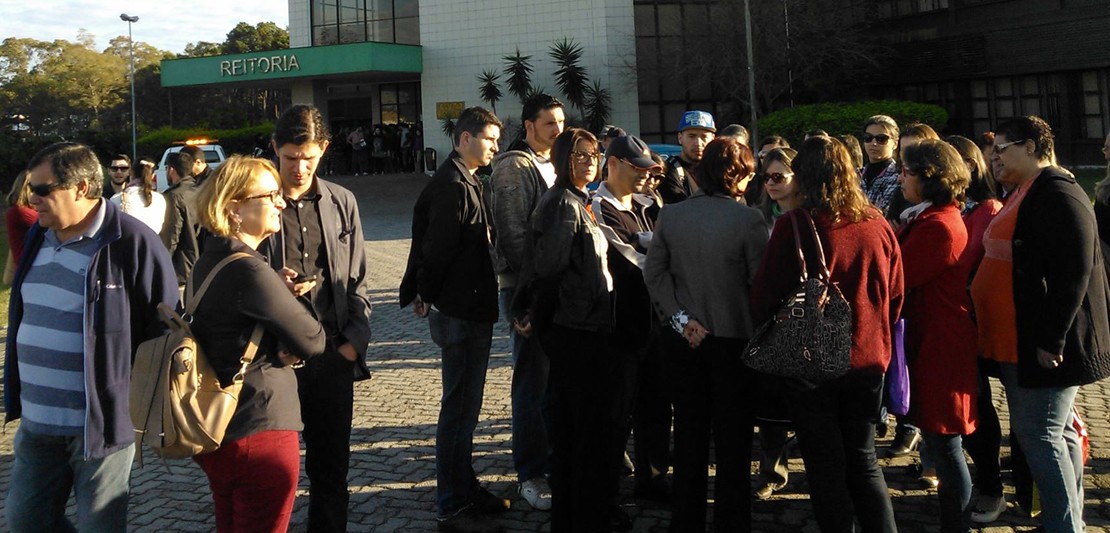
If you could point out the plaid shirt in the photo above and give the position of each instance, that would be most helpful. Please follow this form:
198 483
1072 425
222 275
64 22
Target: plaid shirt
883 187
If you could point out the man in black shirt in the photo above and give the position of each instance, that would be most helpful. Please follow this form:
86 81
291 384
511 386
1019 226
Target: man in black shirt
320 253
449 279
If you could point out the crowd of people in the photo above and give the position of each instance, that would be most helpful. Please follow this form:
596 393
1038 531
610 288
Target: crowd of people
381 149
630 287
269 259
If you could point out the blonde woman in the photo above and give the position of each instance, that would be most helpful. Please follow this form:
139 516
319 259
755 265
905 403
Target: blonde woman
19 218
254 473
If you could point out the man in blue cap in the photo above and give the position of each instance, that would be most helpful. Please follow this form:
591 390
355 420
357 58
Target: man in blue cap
694 133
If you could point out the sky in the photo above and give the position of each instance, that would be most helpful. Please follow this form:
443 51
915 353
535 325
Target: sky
165 24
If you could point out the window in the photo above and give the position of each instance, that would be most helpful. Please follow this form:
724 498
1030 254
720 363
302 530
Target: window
900 8
400 102
356 21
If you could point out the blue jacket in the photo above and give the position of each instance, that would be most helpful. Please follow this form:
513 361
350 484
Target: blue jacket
129 275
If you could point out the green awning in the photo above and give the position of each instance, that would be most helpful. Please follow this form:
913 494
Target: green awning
314 61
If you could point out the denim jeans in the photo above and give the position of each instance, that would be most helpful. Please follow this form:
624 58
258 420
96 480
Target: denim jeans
46 468
1041 418
465 346
955 481
983 444
531 446
835 424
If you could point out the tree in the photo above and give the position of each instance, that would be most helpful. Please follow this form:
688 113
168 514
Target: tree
518 68
489 89
260 38
570 76
203 49
598 106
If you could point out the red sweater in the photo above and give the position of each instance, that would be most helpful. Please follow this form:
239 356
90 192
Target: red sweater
19 220
865 263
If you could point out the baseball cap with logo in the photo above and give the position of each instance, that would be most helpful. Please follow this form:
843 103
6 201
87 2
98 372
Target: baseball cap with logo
697 119
633 150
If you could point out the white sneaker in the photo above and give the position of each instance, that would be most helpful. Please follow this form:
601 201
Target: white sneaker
988 509
536 492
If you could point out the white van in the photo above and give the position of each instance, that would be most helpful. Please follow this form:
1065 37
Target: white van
213 155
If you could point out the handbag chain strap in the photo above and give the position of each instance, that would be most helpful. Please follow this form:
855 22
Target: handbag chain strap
822 274
193 300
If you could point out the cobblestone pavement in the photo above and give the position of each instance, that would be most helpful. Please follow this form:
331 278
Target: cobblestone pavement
392 469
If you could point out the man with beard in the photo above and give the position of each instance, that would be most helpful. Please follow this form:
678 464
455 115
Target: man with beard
694 133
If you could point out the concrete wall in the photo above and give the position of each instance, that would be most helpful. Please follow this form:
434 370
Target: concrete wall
461 38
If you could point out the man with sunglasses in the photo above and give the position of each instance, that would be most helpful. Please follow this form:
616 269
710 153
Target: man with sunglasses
85 295
520 177
695 131
321 254
626 218
119 173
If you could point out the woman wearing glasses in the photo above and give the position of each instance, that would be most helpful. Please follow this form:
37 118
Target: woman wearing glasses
699 268
254 473
571 309
140 200
940 336
1041 305
880 176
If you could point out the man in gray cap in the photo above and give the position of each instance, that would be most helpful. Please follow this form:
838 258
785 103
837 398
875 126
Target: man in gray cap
695 131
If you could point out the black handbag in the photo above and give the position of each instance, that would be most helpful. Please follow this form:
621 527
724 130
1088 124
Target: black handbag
810 338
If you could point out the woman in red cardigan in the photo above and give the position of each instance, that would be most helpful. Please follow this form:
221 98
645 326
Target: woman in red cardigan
940 336
835 421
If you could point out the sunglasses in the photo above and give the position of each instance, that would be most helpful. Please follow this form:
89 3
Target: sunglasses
583 157
999 148
119 169
44 189
779 177
882 138
273 195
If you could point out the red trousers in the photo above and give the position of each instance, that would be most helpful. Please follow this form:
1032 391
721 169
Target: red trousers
254 481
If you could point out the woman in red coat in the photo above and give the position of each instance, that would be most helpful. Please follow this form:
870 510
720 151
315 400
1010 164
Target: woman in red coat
940 336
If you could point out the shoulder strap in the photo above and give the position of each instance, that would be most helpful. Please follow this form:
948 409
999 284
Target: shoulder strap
193 300
823 273
798 243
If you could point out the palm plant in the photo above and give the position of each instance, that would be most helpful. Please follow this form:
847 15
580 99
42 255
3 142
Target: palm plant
490 90
518 68
571 76
599 105
448 127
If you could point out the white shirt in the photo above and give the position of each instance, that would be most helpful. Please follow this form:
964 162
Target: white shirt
130 201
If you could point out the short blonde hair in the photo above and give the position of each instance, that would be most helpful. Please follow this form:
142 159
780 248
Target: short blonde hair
231 182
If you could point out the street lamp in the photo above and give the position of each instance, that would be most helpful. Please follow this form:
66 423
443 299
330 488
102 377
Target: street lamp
131 48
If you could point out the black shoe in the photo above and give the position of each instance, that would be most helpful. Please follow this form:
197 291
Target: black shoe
466 521
619 519
485 502
655 489
766 490
904 443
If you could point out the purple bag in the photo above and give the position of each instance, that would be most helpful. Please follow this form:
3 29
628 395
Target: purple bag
898 388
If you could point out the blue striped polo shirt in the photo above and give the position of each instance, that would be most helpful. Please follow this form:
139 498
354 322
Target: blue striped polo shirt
50 340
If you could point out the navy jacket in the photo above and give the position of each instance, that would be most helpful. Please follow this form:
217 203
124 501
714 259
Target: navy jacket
129 275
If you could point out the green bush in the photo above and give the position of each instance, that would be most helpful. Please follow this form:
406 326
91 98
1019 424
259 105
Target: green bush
234 141
847 118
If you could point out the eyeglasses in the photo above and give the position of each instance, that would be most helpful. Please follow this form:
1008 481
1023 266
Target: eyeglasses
779 177
44 189
1001 147
120 169
585 157
273 195
882 138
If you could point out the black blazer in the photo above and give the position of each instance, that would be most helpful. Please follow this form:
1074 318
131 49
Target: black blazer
449 263
1060 287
